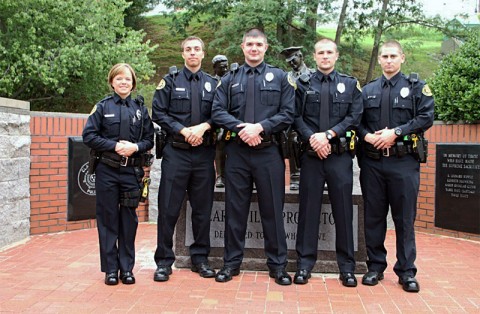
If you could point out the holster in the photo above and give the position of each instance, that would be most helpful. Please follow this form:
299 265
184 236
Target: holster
283 141
420 151
93 161
160 142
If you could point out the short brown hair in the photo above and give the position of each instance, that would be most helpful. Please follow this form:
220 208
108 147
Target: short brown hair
189 38
324 41
121 68
391 43
254 32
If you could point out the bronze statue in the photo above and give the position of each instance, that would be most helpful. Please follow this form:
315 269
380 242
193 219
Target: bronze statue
220 67
294 57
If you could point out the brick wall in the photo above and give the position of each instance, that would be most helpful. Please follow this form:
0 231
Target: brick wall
440 133
48 172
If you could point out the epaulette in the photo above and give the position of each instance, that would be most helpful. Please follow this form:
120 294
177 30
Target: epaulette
105 98
346 75
209 75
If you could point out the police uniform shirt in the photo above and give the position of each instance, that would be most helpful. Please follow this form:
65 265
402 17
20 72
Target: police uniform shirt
404 100
345 104
171 108
274 99
102 129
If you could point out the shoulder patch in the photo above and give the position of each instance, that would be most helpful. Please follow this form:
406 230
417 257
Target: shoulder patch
426 90
292 82
359 87
93 109
161 84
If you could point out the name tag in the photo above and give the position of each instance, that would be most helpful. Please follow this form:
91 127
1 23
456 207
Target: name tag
110 115
180 89
372 97
235 85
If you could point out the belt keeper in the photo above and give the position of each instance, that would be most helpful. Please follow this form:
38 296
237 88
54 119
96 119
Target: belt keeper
124 161
386 152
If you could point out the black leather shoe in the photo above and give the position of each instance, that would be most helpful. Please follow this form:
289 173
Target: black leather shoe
127 278
162 273
301 277
226 273
204 270
281 277
111 279
348 279
409 284
372 278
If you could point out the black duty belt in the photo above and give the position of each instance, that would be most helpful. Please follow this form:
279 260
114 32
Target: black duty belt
400 149
338 147
178 140
267 141
117 161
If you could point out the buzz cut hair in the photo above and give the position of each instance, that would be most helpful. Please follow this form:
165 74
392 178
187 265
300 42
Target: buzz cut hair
325 41
391 43
255 32
190 38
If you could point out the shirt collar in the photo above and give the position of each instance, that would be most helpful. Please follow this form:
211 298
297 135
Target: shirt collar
118 100
393 80
259 68
189 73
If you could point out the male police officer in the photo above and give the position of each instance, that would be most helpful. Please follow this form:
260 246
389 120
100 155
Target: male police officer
294 57
397 110
254 104
329 106
220 67
182 107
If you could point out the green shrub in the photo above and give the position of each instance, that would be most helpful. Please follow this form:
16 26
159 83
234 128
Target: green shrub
456 84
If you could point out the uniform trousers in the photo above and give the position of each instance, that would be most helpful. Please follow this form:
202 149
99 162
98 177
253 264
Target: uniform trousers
116 224
336 170
185 172
245 165
390 181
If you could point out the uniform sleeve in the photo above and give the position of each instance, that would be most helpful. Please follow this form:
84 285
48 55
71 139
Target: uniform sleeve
425 107
146 142
285 115
354 114
300 126
362 127
160 107
220 114
92 132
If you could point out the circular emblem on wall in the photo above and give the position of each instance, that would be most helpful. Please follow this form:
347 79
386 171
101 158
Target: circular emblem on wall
86 181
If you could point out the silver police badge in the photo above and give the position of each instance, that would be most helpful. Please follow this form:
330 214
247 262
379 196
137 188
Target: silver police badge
138 114
269 76
341 87
404 92
208 86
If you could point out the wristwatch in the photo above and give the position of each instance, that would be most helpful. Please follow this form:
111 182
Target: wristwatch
329 135
398 131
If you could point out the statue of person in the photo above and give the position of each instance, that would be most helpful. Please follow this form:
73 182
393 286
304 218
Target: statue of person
294 58
220 67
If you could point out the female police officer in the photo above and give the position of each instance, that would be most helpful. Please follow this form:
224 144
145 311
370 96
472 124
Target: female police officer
119 131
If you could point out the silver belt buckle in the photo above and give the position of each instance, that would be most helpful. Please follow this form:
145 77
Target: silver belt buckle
386 152
124 161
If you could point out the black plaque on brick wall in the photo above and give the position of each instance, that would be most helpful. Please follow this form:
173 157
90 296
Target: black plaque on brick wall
81 185
457 187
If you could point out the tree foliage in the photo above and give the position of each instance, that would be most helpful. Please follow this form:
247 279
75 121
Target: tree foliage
53 49
456 84
133 13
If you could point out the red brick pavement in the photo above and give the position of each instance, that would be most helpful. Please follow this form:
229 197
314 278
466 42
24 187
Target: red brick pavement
59 273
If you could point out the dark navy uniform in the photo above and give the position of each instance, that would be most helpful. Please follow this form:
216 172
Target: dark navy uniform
345 109
117 187
388 178
263 165
185 169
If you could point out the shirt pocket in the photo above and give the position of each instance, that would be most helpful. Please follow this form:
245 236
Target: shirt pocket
237 94
371 108
270 95
111 126
402 110
341 103
312 105
180 101
207 100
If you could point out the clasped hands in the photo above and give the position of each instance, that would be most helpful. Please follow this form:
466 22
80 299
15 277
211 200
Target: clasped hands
194 134
320 144
381 139
250 133
125 148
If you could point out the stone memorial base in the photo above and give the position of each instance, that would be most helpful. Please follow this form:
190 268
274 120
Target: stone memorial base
254 257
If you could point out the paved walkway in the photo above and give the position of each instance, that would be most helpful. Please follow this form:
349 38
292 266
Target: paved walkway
59 273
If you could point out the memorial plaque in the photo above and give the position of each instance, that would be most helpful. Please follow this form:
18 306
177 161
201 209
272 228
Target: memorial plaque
254 235
457 188
254 255
81 185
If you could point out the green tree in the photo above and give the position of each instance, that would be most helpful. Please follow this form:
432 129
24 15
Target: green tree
62 50
133 14
456 83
